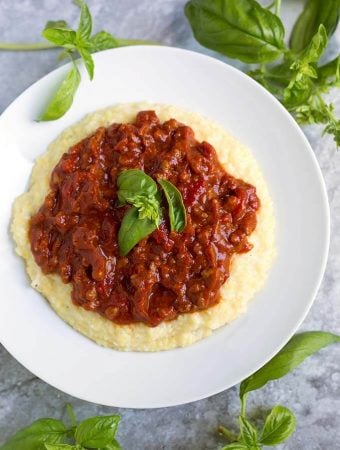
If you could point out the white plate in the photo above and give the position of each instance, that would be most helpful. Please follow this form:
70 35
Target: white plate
49 348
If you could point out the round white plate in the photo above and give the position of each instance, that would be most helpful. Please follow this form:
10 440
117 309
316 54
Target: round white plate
42 342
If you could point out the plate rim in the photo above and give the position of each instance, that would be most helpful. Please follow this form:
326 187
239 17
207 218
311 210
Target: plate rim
323 190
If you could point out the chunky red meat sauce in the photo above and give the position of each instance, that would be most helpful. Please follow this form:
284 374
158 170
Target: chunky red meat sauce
74 233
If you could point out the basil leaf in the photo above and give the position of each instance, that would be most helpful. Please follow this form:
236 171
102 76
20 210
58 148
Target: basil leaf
85 23
315 13
317 46
240 29
279 425
248 432
135 181
177 212
132 230
60 36
292 355
97 432
35 436
60 447
234 446
88 61
63 98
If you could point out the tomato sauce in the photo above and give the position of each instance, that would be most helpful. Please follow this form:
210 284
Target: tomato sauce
74 233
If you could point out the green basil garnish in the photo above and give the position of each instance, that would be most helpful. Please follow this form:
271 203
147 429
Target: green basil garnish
177 212
135 181
237 28
63 98
132 230
140 190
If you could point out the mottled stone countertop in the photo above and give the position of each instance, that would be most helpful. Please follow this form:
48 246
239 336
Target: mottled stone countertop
312 391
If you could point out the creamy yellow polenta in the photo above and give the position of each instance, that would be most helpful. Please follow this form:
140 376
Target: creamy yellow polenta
248 271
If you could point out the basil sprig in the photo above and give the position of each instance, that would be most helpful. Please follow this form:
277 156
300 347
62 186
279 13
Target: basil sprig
99 432
74 43
140 190
51 434
280 423
245 30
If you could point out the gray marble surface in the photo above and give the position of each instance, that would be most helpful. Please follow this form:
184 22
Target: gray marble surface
312 391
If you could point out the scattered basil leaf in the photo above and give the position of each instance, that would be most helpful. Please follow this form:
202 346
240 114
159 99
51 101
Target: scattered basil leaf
97 431
85 23
240 29
88 61
62 37
177 212
63 97
315 13
292 355
132 230
248 432
35 436
280 424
